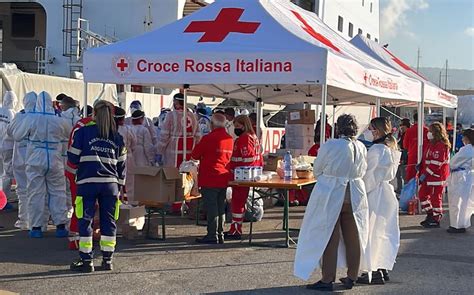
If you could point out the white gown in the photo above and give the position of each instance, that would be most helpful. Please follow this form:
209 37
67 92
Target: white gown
334 168
384 231
461 188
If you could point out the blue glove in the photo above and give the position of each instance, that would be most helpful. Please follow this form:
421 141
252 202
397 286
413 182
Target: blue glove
422 178
159 159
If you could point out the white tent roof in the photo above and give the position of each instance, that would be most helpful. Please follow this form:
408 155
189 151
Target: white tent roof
231 48
433 94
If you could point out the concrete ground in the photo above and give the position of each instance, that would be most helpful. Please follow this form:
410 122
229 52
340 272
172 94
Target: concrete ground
430 262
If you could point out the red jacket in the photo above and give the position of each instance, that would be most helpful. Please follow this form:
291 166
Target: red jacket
247 152
313 151
410 143
214 151
71 168
435 164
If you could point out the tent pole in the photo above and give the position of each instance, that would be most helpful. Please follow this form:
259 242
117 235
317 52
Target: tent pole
333 130
421 124
455 128
444 117
377 103
324 100
84 113
259 114
185 123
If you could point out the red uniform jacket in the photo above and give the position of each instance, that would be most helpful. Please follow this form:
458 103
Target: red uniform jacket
435 164
214 151
313 151
247 152
410 143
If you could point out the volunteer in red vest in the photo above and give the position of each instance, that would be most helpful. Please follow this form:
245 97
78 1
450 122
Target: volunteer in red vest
71 177
170 148
247 152
214 152
410 143
433 175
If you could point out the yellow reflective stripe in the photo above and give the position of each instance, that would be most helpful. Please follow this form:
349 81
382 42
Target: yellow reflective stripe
85 244
79 208
108 246
117 209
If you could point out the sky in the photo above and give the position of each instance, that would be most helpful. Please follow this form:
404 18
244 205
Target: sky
442 29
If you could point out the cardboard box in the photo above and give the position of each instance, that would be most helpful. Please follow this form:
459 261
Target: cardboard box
299 130
301 117
132 216
302 143
157 184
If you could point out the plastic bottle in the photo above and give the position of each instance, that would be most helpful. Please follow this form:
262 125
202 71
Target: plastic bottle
288 167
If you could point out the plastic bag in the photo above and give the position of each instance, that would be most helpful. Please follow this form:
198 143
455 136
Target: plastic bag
408 193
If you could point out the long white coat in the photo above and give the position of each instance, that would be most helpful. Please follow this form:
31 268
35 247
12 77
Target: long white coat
461 188
384 231
335 167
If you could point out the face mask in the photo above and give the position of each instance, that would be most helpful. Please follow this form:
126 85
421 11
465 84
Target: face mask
430 136
238 131
368 135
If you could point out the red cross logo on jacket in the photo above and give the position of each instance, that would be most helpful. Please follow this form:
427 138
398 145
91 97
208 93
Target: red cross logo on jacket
226 22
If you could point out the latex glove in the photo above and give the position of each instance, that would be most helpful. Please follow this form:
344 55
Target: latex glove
417 167
159 159
422 178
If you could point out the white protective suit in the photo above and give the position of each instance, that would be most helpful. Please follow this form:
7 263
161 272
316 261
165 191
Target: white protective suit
384 231
19 158
143 154
45 165
170 145
71 116
148 124
7 114
335 167
461 188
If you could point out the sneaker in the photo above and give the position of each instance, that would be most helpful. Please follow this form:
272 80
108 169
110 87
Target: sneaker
321 286
347 283
385 275
82 266
107 264
21 225
453 230
36 233
206 240
61 231
232 236
431 224
377 279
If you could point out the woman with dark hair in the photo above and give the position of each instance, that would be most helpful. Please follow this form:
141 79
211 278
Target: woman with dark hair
461 186
338 204
383 159
247 152
98 152
433 175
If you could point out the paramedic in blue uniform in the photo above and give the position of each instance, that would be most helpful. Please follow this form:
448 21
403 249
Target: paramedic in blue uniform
99 153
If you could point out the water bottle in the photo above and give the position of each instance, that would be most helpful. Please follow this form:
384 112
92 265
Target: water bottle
288 167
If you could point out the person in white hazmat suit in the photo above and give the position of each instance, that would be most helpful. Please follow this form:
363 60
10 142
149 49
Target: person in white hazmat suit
45 166
337 207
461 186
383 159
136 105
70 112
19 159
7 114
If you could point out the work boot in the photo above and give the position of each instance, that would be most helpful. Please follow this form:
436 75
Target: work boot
61 231
453 230
36 233
206 240
82 266
347 282
321 286
107 264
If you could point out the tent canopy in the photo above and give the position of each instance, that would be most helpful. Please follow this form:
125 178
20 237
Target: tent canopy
433 94
271 49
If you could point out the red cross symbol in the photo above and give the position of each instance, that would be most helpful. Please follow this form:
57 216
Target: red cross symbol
226 22
122 65
402 64
308 29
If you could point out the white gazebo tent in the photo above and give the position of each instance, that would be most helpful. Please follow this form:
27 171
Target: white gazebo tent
431 94
254 50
